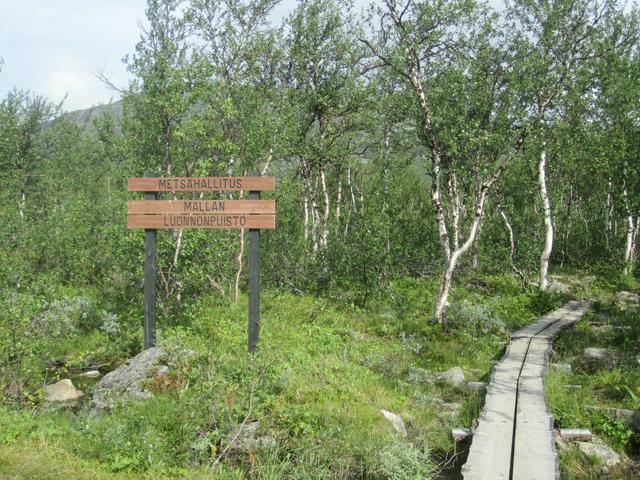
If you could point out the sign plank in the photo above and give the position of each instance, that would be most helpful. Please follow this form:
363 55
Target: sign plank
194 207
202 221
200 184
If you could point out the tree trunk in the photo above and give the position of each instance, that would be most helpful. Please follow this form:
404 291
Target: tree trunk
630 245
324 239
315 215
339 200
610 212
22 203
452 262
240 265
548 222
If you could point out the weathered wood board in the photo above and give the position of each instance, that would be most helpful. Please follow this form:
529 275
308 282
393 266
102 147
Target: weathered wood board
200 184
193 207
515 438
202 221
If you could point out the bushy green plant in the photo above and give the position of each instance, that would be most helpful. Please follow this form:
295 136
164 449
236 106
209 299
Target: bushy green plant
475 319
401 460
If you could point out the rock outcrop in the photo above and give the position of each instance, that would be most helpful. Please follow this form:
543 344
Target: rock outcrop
128 381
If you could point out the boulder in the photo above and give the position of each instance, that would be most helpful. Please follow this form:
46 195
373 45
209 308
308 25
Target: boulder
603 453
600 357
128 381
63 393
396 422
453 377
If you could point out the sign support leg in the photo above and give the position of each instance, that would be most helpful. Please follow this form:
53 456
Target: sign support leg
149 282
254 281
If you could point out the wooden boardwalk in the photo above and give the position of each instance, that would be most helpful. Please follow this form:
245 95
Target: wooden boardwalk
514 439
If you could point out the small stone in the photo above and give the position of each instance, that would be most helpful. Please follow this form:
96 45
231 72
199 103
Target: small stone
600 357
90 374
245 438
461 434
562 367
453 377
62 392
396 422
476 387
600 450
451 407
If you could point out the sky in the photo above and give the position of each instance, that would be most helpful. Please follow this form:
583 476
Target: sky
56 48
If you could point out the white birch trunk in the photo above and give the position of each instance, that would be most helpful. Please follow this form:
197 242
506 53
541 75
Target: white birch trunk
548 222
630 244
339 200
22 203
324 239
315 216
452 262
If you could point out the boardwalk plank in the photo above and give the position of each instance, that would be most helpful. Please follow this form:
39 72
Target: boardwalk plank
516 395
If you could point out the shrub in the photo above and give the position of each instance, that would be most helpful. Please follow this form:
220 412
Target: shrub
475 319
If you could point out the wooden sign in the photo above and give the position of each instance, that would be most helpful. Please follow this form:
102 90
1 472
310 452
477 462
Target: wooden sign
202 221
153 214
193 207
200 184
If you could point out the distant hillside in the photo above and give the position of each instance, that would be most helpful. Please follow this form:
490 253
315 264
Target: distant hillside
85 118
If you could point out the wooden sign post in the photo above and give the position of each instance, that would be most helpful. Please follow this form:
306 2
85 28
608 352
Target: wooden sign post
152 214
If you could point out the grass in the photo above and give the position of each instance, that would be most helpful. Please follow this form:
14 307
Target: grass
615 384
322 374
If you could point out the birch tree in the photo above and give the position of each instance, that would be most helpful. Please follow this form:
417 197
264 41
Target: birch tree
446 55
557 39
323 89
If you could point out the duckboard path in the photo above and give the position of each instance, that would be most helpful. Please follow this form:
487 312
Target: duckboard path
515 438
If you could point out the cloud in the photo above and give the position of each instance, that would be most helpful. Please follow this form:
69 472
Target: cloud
56 47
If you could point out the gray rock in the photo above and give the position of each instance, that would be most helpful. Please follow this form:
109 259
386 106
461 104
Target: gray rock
558 287
453 377
476 387
626 300
461 434
600 357
562 367
605 455
631 418
245 438
90 374
62 392
127 381
396 422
